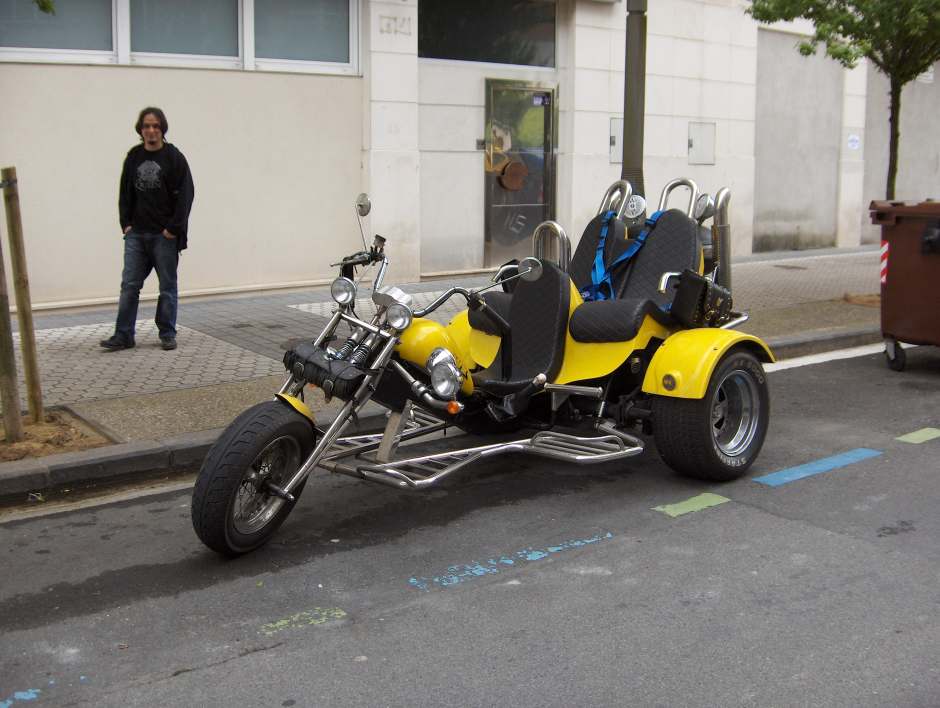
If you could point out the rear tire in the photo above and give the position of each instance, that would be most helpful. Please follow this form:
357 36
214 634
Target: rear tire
718 437
232 512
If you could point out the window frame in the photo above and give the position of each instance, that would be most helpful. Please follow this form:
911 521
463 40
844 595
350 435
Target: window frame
122 53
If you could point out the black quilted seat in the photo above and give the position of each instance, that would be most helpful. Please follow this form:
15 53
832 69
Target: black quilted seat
538 322
613 320
672 246
583 259
497 301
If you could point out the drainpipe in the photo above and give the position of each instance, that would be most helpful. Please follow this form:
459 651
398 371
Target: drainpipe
634 96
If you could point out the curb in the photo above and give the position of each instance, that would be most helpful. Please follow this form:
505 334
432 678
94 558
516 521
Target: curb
183 452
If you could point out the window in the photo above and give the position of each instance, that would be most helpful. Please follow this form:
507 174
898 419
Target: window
77 24
300 30
208 27
500 31
284 35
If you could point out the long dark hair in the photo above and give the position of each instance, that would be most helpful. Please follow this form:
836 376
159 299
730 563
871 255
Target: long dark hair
164 126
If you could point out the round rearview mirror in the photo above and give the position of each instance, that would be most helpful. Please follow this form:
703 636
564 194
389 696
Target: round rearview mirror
363 205
704 208
530 269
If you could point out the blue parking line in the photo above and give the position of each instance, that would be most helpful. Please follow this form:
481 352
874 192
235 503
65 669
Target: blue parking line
461 573
826 464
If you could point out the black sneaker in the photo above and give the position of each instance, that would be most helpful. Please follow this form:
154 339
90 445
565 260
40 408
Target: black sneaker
115 343
168 343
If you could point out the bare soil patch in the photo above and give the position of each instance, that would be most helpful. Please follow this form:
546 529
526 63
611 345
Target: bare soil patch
866 300
59 432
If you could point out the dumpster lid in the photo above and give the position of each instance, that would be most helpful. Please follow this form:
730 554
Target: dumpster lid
884 212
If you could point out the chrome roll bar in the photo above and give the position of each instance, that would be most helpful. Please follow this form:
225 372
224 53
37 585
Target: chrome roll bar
680 182
561 239
721 238
619 188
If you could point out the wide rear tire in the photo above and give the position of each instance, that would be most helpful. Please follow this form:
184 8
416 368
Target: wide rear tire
232 512
718 437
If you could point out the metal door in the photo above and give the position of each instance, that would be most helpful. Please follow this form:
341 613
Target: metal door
521 121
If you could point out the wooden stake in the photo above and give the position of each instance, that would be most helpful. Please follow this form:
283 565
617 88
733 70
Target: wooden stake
9 390
24 307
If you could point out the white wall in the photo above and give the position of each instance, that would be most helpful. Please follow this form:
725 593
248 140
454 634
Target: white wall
274 158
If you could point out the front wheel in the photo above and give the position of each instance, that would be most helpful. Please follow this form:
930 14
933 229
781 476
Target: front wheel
233 511
719 436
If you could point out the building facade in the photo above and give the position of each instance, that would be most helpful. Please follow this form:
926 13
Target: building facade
466 122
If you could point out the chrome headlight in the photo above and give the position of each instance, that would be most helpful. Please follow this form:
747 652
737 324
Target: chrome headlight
343 291
446 378
398 316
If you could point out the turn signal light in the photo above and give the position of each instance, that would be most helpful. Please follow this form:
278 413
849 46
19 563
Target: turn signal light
453 407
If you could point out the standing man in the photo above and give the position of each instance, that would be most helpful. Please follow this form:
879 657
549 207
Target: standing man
156 195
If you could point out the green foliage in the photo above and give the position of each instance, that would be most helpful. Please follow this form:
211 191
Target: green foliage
47 6
900 37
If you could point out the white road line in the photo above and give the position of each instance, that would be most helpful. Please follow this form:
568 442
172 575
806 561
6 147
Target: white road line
834 355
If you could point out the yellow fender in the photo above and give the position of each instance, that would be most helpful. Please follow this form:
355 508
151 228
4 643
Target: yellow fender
690 357
297 405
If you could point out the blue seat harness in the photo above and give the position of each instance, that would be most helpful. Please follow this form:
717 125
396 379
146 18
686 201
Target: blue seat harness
601 287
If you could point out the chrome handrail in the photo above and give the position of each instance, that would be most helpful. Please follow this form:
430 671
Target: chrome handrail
564 243
679 182
621 187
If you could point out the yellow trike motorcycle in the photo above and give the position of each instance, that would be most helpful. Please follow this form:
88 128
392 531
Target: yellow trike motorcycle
630 336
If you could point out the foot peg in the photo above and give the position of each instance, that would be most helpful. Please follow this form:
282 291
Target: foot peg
278 492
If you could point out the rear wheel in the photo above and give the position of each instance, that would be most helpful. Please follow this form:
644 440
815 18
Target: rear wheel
233 509
719 436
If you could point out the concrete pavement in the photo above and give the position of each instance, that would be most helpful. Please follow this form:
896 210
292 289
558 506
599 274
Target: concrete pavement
164 409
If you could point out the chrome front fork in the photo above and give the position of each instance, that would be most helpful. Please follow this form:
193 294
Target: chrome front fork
353 405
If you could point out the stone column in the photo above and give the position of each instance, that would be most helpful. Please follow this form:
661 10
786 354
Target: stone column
390 141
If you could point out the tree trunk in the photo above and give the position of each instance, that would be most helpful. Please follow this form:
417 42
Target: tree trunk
894 122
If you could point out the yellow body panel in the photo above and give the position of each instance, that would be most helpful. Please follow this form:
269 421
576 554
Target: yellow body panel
591 360
690 357
484 347
297 405
424 336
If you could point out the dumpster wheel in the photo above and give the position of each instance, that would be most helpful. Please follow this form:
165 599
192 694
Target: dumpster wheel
895 355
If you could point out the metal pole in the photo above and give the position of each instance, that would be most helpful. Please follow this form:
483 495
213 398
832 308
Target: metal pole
9 390
24 307
634 96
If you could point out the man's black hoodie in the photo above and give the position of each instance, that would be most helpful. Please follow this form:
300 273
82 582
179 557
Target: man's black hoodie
156 192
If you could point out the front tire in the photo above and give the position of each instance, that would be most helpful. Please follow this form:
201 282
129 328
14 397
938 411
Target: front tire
232 512
718 437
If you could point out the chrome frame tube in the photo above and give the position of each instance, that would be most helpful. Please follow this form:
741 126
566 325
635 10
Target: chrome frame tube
679 182
624 188
361 397
564 243
721 238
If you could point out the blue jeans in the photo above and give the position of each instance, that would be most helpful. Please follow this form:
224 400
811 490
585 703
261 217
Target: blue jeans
143 253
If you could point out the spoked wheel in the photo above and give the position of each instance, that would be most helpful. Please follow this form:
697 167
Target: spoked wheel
234 510
718 437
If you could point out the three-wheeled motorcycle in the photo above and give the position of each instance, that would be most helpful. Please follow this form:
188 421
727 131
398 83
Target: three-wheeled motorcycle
630 336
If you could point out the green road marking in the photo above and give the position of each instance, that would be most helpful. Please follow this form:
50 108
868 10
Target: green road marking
920 436
702 501
318 615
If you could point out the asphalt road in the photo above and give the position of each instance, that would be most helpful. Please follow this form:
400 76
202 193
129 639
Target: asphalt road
523 583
